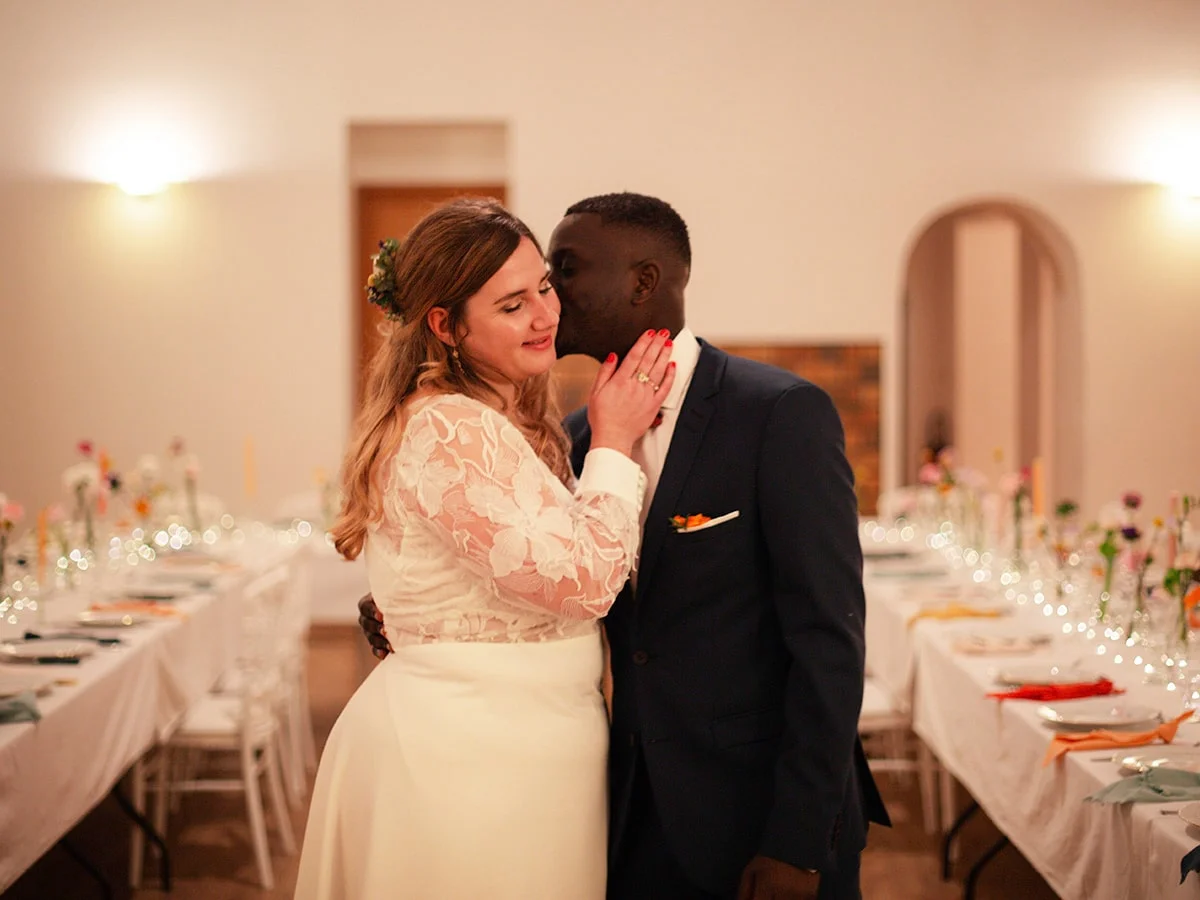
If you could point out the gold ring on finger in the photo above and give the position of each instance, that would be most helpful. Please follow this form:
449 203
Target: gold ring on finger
642 377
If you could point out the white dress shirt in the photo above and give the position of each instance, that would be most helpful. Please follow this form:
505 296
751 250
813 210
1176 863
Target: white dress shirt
650 451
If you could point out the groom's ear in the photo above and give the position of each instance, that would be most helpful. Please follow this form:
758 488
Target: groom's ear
648 274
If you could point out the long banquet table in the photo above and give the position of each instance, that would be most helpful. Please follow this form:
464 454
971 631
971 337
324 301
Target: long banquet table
113 706
1084 850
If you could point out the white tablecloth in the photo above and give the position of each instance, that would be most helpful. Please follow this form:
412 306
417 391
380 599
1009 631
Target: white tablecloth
1082 849
335 585
123 699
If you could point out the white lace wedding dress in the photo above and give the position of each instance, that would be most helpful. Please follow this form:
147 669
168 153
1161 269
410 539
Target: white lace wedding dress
472 761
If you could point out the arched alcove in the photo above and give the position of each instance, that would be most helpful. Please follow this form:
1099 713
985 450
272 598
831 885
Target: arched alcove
991 335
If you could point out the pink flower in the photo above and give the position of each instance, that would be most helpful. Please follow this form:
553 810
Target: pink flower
12 513
1131 500
85 449
1010 485
929 474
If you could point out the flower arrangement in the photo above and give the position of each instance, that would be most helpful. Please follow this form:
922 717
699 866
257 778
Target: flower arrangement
939 472
1182 576
1015 488
82 481
381 284
191 475
11 515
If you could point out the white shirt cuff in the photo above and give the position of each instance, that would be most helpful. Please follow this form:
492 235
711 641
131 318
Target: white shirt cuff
609 471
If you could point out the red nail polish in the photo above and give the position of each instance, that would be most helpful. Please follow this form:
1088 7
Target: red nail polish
611 357
671 365
650 333
665 333
669 343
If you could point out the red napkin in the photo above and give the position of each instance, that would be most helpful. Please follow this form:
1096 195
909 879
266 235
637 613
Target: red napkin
1044 692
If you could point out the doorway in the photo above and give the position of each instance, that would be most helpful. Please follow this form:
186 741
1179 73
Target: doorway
383 212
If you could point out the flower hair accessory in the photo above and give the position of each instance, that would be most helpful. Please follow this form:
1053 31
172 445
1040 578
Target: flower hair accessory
381 285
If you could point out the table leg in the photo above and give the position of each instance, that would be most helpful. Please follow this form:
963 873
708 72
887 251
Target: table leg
106 889
147 829
952 833
973 875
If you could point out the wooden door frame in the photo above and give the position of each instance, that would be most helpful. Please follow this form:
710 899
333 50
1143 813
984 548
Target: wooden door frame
359 303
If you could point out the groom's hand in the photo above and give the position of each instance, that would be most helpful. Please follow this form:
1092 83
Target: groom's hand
370 620
769 879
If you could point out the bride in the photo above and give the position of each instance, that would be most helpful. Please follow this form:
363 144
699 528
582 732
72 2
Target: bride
471 762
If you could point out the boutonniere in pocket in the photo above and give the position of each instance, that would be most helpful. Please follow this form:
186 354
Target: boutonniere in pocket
688 524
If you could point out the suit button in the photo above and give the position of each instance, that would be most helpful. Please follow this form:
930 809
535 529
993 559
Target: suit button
640 657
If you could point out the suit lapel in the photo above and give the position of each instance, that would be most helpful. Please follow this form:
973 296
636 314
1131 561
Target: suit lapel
698 407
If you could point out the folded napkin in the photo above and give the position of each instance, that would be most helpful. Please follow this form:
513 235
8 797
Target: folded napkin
954 611
1111 740
21 708
1047 692
1189 863
1157 785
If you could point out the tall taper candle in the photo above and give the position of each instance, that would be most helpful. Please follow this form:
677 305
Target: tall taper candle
1037 487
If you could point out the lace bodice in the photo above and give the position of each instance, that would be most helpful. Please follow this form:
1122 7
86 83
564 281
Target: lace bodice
479 541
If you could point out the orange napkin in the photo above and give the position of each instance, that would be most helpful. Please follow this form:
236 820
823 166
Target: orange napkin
954 611
149 607
1111 740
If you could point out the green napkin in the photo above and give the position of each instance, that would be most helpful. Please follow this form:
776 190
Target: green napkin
21 708
1160 785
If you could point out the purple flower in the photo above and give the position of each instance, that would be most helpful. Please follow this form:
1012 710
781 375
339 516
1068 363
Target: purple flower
1131 533
1131 500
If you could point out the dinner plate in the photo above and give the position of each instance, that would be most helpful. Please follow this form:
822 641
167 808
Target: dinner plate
15 683
158 590
1045 676
1191 814
1000 644
34 651
109 619
1185 759
1099 712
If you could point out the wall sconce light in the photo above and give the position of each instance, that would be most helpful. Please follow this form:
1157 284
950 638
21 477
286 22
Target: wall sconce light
143 162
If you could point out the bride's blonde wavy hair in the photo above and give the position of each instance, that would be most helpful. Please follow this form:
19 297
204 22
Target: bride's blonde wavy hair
446 259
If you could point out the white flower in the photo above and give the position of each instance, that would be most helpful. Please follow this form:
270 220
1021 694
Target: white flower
1112 516
85 474
148 468
1009 485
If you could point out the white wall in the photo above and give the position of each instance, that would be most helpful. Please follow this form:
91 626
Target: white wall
807 145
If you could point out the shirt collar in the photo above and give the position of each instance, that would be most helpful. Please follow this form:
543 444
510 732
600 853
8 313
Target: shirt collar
685 353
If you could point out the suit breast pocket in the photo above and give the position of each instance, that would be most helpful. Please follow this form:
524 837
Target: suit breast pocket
729 532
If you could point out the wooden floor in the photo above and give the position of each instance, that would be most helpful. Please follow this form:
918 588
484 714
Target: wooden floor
212 858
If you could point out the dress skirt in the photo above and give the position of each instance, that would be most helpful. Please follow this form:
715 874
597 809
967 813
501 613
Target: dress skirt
465 770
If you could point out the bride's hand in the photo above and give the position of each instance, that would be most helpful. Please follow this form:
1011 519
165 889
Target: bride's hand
626 398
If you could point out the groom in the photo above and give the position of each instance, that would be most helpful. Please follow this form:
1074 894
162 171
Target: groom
737 647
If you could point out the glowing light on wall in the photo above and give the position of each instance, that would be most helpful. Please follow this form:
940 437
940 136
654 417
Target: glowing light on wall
142 145
1158 141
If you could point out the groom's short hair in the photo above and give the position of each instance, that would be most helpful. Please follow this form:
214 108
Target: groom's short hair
645 213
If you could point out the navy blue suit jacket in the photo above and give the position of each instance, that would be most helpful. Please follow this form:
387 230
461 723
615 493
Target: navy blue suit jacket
738 664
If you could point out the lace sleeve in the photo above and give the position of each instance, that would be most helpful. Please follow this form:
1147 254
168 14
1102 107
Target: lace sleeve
474 477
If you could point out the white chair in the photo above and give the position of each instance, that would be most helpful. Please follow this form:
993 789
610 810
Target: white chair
886 729
242 727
